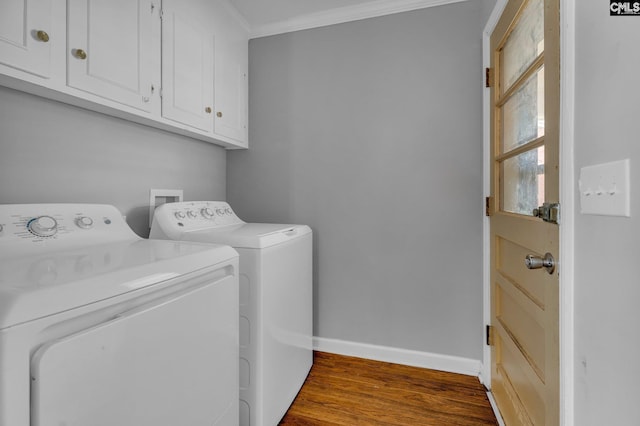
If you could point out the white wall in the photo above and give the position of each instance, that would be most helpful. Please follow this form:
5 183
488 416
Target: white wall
53 152
607 279
371 133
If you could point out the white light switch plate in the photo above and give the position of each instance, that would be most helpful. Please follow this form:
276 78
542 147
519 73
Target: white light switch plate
605 189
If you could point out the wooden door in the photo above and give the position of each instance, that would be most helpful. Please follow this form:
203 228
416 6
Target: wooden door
26 36
524 172
111 49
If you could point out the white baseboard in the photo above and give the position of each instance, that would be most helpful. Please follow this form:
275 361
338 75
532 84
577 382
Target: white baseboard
451 364
494 407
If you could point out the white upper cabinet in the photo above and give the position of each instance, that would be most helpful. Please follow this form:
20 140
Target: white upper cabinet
231 84
204 68
26 36
187 70
177 65
110 49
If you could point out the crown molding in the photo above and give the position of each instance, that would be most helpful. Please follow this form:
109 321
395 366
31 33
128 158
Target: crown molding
345 14
237 15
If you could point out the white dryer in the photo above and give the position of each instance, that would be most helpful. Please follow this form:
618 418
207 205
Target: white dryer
101 327
275 300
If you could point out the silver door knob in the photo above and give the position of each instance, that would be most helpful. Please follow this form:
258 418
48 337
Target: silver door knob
536 262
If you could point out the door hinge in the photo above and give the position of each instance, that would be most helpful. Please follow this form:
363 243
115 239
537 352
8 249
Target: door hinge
488 206
489 335
549 212
488 77
161 14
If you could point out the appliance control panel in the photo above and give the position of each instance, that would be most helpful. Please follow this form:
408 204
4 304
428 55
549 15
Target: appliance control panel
60 224
196 215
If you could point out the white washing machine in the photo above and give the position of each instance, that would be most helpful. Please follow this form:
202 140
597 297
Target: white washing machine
275 300
101 327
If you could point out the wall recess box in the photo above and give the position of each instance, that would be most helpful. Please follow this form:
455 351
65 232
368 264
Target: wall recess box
605 189
158 197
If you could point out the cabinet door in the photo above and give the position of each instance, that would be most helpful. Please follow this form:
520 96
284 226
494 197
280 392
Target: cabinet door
230 90
111 51
187 71
25 31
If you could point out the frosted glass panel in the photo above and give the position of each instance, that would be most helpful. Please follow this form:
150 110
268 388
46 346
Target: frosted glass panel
524 44
523 182
523 114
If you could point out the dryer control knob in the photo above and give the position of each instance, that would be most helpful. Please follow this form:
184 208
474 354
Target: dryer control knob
207 212
43 226
84 222
192 214
219 212
179 215
227 210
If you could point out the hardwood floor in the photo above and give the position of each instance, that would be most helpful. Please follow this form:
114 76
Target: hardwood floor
347 391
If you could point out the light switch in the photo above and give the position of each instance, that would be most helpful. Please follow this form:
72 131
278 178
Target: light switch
605 189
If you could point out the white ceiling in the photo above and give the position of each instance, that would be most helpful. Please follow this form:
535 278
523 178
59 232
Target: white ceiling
268 17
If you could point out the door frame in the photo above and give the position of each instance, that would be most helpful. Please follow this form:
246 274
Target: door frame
567 201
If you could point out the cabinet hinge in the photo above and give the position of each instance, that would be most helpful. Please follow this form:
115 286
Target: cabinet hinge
488 206
488 77
489 335
161 14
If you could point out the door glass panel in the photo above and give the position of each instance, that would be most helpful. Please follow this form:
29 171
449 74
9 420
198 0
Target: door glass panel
524 44
523 182
523 114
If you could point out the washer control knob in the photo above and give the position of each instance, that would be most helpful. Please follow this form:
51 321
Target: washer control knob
219 212
227 210
43 226
207 212
179 215
192 214
84 222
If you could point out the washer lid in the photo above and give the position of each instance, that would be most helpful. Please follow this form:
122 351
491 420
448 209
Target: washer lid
248 235
45 283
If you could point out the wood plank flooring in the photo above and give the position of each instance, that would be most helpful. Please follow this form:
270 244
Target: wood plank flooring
347 391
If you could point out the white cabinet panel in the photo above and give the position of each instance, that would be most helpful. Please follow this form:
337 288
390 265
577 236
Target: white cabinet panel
230 92
187 71
111 51
21 45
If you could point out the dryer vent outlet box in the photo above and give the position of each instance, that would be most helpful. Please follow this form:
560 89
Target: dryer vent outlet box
158 197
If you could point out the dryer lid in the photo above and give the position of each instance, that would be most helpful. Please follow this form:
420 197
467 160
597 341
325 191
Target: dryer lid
249 235
80 254
33 287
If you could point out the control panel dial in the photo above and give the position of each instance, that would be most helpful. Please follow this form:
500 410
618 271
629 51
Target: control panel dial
207 212
43 226
179 215
192 214
84 222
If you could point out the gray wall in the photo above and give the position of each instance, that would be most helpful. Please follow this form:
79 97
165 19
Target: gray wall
53 152
607 280
371 133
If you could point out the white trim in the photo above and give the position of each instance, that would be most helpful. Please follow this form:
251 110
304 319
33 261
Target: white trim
485 375
567 201
451 364
340 15
494 406
237 15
